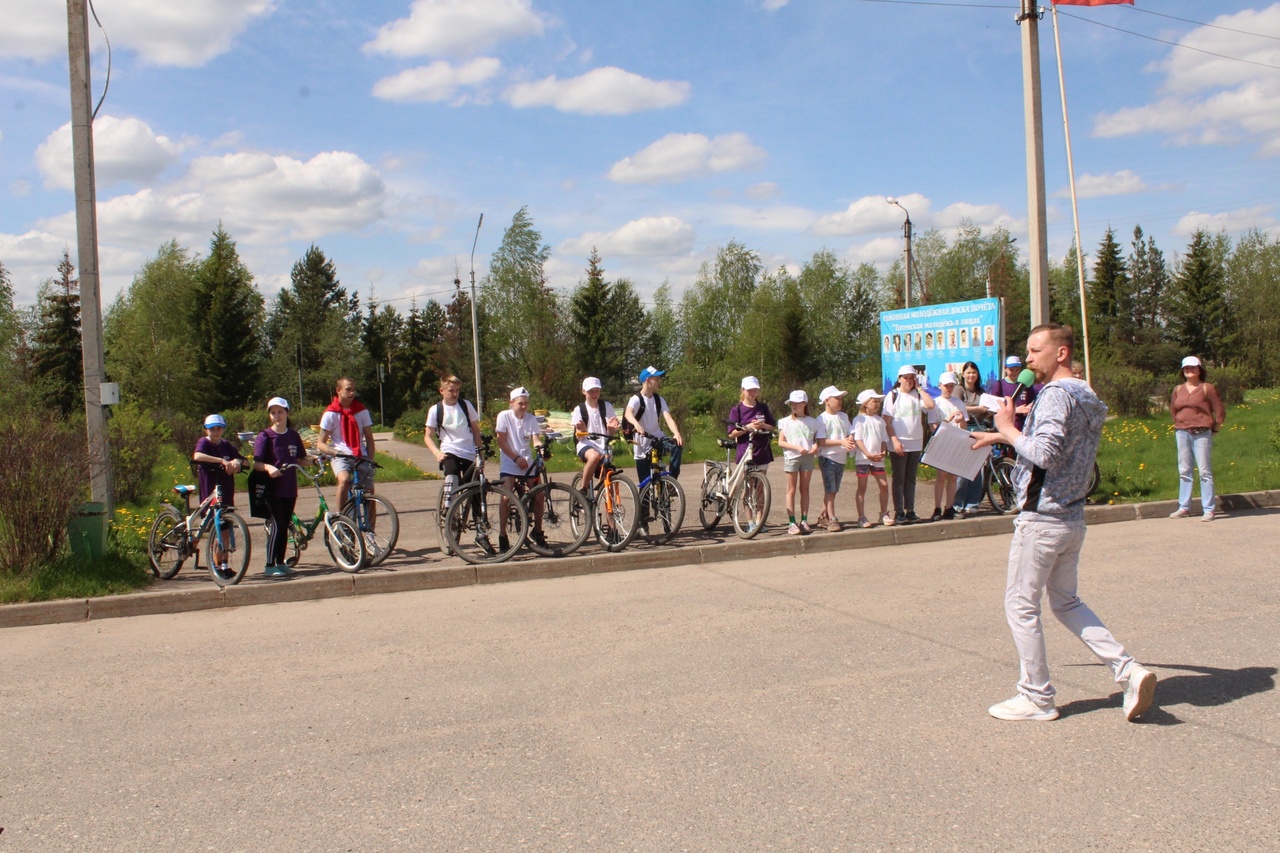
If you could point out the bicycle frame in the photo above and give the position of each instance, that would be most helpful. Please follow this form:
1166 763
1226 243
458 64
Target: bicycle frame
322 511
199 521
734 474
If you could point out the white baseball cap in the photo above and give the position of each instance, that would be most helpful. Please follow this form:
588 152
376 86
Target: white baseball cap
906 370
589 383
869 394
518 392
214 421
798 396
1191 361
948 378
830 391
750 382
278 401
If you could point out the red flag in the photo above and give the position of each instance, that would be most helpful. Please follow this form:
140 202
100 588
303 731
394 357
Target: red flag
1093 2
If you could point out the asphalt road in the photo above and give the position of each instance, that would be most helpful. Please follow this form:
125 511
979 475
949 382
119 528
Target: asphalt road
822 702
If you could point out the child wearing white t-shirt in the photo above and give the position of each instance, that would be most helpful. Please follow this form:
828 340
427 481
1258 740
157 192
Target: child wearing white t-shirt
833 452
798 436
871 438
949 408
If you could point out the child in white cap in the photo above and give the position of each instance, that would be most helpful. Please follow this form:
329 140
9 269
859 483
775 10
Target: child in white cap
950 409
833 452
798 436
871 438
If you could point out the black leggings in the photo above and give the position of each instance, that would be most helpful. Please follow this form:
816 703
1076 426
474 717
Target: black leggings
278 529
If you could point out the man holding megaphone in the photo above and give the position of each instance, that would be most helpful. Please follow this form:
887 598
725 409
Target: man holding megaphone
1056 450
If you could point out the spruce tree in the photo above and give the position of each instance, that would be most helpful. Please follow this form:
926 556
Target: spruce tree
1108 292
57 360
227 318
1202 319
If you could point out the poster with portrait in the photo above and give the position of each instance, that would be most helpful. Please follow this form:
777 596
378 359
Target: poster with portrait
939 338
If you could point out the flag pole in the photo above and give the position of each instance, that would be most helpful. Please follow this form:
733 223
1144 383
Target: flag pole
1075 211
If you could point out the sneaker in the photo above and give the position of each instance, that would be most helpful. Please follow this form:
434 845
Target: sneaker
912 518
960 513
1022 708
485 544
823 521
793 529
1179 513
538 538
504 544
937 514
1208 516
900 518
833 526
805 529
643 531
271 571
863 523
949 514
1139 691
887 520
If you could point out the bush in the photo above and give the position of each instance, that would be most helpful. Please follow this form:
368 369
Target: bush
1231 383
1274 438
1127 391
410 425
46 479
136 439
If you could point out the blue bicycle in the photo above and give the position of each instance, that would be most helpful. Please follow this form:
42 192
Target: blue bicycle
661 497
374 515
176 535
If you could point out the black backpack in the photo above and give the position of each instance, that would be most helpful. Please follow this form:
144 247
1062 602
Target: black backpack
582 413
629 431
467 411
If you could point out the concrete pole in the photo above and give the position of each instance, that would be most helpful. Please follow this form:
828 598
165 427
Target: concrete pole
906 234
1037 225
87 252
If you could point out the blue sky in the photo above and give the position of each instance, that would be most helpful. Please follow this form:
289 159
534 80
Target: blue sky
656 131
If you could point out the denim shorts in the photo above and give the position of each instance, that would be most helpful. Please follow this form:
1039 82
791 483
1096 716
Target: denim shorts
832 474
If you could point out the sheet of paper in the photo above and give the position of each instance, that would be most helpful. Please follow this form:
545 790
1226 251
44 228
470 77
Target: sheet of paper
990 402
951 450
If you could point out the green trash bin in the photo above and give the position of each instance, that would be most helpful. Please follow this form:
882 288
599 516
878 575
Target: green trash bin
87 532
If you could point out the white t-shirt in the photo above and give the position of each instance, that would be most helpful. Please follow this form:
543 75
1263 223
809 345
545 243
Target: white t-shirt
945 409
454 435
519 432
803 432
332 421
905 414
871 431
836 426
596 422
649 420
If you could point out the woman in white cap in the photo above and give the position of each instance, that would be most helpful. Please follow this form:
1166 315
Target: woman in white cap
275 447
1198 414
950 409
903 410
798 436
758 423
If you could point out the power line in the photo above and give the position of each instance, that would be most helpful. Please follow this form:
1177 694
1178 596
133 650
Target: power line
1202 23
1166 41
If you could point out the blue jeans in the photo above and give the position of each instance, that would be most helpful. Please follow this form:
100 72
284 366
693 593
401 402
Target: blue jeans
1197 451
968 494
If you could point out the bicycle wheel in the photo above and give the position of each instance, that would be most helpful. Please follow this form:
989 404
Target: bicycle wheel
167 543
1000 488
580 521
751 505
564 519
441 511
473 524
663 505
297 543
380 526
1095 482
617 506
235 533
345 544
711 505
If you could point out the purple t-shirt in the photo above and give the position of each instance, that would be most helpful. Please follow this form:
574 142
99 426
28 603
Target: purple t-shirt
281 448
209 475
761 449
1005 388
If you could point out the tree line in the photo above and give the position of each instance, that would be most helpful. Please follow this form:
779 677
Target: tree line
193 333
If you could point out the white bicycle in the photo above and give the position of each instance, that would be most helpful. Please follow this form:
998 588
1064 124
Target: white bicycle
741 490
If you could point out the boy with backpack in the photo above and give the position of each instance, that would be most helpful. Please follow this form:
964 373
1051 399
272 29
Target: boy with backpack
642 414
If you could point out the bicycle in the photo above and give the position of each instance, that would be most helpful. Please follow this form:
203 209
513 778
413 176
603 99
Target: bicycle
997 474
175 535
742 490
613 501
341 536
475 508
662 498
553 506
374 515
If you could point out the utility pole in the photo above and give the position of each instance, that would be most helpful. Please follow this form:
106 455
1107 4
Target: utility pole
1037 225
87 253
475 330
906 238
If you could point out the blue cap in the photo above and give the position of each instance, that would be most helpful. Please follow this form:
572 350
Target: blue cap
650 372
215 421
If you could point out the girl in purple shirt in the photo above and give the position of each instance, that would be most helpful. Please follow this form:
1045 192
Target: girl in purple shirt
275 447
753 413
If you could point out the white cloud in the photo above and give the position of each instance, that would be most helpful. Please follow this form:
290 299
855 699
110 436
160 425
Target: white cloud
762 191
774 5
961 213
439 81
1233 222
187 34
601 91
1210 100
871 214
650 236
680 156
768 218
33 257
124 149
1123 182
456 27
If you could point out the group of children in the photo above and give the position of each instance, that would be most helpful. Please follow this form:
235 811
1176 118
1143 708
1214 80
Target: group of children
825 442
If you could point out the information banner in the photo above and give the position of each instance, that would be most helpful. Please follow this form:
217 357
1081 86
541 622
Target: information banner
939 338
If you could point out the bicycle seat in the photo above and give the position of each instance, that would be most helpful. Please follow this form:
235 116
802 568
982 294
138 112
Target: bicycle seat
184 490
726 443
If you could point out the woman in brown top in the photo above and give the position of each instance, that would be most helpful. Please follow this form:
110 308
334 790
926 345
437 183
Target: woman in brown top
1197 415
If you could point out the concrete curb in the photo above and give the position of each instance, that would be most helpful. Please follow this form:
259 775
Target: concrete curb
380 582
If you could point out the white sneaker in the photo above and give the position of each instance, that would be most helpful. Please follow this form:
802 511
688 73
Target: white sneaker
1022 708
1179 513
1208 516
1139 691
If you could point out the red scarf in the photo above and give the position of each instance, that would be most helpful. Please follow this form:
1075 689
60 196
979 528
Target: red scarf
350 429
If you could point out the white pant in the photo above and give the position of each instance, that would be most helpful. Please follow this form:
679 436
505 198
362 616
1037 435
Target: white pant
1046 556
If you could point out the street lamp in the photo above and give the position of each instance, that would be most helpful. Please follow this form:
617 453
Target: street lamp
906 238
